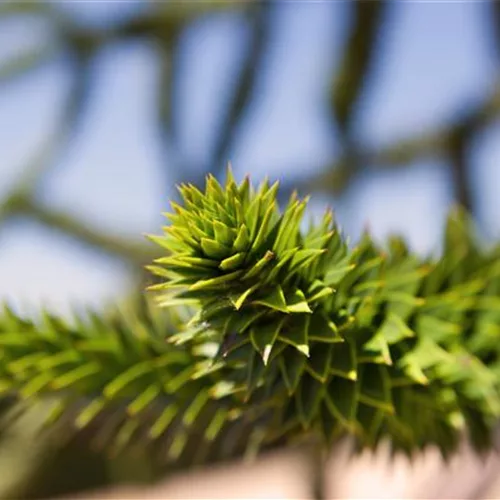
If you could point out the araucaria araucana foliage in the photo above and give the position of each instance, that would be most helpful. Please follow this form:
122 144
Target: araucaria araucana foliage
264 332
370 341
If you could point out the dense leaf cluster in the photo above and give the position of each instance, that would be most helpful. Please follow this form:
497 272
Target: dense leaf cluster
264 331
371 341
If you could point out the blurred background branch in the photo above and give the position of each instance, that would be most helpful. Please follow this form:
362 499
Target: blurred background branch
449 140
357 62
163 24
245 84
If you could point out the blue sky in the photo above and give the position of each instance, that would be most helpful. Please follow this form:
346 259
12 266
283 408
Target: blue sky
436 59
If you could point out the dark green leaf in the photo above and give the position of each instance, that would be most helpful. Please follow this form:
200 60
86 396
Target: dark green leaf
292 365
274 300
